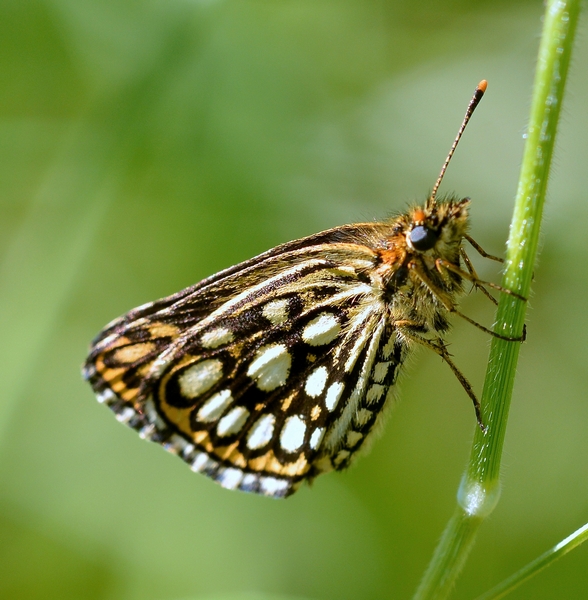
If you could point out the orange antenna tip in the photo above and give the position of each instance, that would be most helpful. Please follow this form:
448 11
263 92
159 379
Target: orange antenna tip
480 89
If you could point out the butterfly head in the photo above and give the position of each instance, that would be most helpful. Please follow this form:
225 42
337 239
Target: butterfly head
435 226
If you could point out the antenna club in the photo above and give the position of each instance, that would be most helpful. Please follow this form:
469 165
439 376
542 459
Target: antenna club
483 85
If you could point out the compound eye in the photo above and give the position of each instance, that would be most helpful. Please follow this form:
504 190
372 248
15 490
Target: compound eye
422 238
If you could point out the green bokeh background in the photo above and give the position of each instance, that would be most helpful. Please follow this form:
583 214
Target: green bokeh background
147 144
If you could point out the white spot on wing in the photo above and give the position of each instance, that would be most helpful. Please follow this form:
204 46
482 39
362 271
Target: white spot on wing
292 436
232 422
364 325
315 384
271 367
248 481
276 312
152 414
187 452
375 392
271 486
125 415
214 407
106 395
147 432
200 377
177 444
261 433
352 438
333 395
341 456
389 347
230 478
201 462
362 416
380 371
316 438
216 337
322 330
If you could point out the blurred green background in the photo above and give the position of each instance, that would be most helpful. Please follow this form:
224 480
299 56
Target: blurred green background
145 145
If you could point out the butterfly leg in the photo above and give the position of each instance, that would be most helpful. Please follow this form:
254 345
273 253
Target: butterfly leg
445 264
485 254
472 271
449 304
440 264
481 250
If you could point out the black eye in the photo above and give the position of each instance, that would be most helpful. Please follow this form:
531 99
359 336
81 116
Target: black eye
422 238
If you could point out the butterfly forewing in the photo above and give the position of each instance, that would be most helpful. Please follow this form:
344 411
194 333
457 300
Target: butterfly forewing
264 375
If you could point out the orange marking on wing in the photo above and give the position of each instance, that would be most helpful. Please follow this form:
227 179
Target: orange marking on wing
107 373
143 370
287 401
225 451
129 394
234 457
133 352
117 386
200 437
180 417
237 459
262 463
299 467
163 330
269 463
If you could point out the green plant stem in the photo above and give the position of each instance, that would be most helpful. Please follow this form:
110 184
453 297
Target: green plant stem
545 560
480 488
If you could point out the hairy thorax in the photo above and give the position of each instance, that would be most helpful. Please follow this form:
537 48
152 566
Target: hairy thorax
412 271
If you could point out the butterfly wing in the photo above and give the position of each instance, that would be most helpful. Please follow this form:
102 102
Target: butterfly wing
265 374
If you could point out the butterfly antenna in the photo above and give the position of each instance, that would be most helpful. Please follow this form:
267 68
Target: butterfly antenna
471 108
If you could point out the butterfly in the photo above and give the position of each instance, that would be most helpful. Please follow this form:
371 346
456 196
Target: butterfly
280 368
